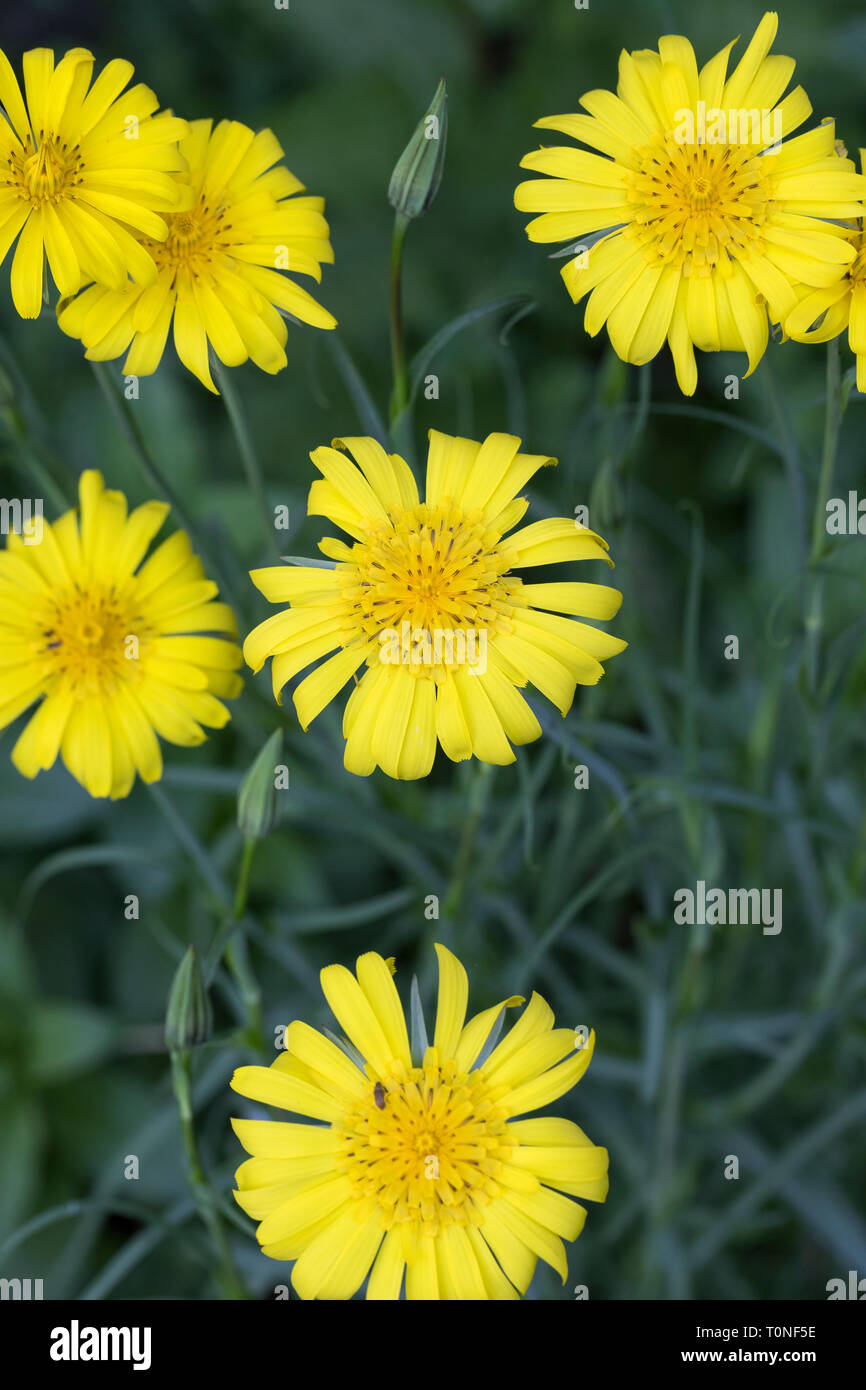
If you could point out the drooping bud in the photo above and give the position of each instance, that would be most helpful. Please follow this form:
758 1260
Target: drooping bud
188 1018
257 798
418 172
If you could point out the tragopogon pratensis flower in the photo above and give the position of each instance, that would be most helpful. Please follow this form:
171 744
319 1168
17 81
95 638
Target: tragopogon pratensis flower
110 647
220 264
425 597
419 1165
710 215
824 314
80 166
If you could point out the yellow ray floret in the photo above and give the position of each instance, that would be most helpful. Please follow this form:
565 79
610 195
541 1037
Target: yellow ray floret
823 314
117 650
221 260
86 172
420 1175
426 599
701 215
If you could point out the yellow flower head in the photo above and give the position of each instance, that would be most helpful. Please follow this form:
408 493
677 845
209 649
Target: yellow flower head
220 264
824 314
711 215
420 1164
426 599
79 166
105 643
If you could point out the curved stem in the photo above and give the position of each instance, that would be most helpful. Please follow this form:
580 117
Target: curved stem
243 888
16 405
235 953
205 1197
223 947
155 478
479 792
400 391
249 458
815 601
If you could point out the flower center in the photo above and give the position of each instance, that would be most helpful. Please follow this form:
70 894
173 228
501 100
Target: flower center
425 1147
195 239
697 205
46 173
93 640
437 569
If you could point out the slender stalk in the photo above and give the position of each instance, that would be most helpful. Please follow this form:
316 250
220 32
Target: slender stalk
357 389
129 426
243 887
478 794
32 461
814 621
191 843
233 910
205 1197
400 390
236 955
16 403
692 810
249 458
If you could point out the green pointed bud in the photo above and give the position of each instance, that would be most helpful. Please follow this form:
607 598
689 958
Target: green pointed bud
188 1017
257 798
418 172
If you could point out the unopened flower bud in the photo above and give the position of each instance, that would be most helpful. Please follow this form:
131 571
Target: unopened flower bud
188 1017
418 172
257 798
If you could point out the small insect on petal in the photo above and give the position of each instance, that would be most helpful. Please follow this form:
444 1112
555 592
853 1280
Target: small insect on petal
379 1095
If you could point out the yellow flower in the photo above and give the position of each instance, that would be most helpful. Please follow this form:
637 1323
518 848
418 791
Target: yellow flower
420 1165
106 647
710 215
823 314
425 597
219 264
78 169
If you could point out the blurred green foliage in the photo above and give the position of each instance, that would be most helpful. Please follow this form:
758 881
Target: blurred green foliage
712 1041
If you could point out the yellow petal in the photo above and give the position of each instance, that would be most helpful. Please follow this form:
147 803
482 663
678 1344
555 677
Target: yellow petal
453 998
356 1017
273 1087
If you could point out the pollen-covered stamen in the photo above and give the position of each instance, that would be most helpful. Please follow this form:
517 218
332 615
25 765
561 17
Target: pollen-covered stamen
435 568
197 239
46 172
431 1154
93 639
699 205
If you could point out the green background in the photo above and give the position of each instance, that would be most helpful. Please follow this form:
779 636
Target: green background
711 1042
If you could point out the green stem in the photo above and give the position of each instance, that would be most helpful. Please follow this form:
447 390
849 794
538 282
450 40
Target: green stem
236 955
478 794
236 959
815 602
205 1197
224 948
191 843
400 391
129 426
249 458
359 392
32 463
243 888
692 810
15 405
